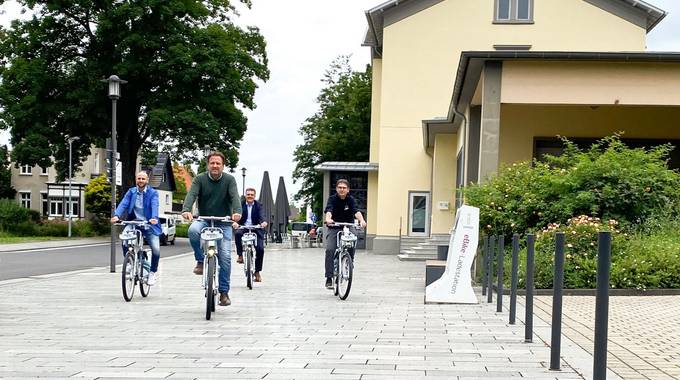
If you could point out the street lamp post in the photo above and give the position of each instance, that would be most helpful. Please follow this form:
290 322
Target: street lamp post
243 172
114 94
70 202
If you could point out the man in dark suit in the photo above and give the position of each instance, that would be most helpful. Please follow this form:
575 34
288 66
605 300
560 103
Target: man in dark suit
253 214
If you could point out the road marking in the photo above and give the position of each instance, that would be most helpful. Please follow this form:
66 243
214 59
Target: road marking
55 248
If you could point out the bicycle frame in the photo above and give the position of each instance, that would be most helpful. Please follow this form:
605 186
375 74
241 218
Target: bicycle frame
135 249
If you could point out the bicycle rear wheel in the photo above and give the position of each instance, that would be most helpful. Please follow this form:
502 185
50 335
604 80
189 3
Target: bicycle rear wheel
128 276
210 288
345 275
248 267
144 286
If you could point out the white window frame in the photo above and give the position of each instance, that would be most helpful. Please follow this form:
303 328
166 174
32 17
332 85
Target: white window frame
167 199
44 201
58 207
513 17
26 170
25 203
44 171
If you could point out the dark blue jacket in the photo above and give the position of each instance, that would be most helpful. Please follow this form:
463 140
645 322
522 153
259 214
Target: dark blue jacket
258 213
127 205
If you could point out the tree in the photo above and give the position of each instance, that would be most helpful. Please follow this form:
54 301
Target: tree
190 72
6 189
338 131
98 197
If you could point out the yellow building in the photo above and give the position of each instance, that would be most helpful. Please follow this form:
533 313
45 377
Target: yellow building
461 87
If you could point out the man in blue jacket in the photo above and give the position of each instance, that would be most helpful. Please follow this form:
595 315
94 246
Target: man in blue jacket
141 203
253 214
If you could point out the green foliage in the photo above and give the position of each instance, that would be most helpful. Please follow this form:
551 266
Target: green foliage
609 181
181 187
11 213
191 72
6 189
338 131
182 230
98 197
639 261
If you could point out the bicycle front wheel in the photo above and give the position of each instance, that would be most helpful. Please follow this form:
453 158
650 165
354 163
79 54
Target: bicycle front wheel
144 286
210 289
128 277
248 267
345 275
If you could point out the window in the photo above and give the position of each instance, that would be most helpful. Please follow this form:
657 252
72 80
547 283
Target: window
45 204
26 170
25 199
56 207
514 11
44 171
95 169
74 209
167 199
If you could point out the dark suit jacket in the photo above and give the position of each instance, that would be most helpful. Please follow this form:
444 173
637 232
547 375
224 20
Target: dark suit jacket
257 211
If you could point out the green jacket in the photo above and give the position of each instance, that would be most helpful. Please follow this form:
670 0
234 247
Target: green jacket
215 197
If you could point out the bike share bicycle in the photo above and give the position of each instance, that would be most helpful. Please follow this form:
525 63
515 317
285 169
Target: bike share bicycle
249 242
343 264
209 243
136 262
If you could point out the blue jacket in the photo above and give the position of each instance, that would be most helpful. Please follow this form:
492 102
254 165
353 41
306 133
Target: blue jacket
127 205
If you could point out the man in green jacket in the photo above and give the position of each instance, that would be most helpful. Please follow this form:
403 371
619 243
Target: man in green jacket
217 195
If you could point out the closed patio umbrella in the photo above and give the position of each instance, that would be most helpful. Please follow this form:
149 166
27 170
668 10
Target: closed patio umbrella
281 210
267 201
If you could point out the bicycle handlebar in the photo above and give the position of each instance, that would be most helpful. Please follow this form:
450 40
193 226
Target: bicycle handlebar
257 227
213 218
142 223
342 224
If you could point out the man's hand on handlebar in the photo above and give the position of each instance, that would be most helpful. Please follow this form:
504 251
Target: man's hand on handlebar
187 216
114 219
235 217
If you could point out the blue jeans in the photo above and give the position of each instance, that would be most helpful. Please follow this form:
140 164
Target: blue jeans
223 250
154 242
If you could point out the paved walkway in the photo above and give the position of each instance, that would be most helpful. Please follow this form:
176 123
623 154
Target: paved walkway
644 332
78 326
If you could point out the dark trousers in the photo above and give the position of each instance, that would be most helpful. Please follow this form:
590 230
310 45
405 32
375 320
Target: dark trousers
259 248
331 239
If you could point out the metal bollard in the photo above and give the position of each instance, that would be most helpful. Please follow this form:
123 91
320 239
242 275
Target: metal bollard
529 304
499 295
489 285
558 284
485 266
604 245
513 280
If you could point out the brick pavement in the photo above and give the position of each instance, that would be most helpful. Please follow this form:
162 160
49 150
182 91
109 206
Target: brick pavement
644 332
289 327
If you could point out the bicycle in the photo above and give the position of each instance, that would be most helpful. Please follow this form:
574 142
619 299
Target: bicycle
343 265
209 237
249 241
136 262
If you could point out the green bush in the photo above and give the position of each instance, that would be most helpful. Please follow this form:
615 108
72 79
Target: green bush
182 230
609 181
11 214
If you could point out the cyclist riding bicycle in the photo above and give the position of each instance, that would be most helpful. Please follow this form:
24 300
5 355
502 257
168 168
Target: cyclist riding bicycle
253 215
341 207
217 195
141 203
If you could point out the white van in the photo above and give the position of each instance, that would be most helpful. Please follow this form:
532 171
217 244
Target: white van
168 228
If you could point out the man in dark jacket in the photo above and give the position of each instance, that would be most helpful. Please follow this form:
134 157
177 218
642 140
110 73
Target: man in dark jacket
253 215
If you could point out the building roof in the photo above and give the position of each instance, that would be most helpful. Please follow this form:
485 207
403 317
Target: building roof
161 175
347 166
472 62
399 9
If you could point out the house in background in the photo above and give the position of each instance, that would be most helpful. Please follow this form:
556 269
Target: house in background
37 188
462 87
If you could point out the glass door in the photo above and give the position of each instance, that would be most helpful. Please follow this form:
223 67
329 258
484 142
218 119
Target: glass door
419 214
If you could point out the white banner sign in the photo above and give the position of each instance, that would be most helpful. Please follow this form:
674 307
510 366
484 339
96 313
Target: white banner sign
455 285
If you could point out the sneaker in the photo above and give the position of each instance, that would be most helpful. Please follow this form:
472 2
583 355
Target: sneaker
224 299
258 278
239 260
198 270
152 279
329 283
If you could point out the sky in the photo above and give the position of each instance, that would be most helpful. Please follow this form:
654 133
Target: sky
303 38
